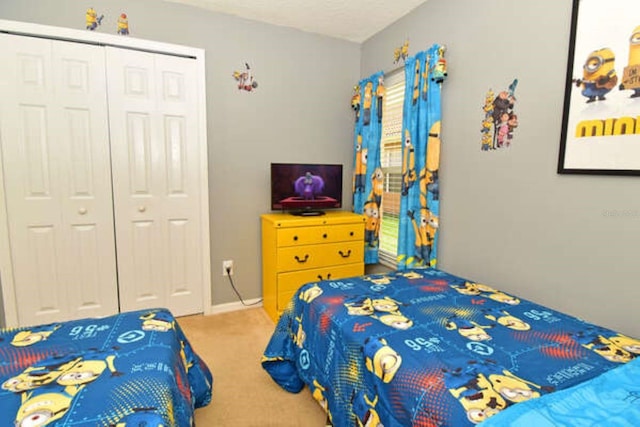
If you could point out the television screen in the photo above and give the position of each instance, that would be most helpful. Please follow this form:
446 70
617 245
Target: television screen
305 189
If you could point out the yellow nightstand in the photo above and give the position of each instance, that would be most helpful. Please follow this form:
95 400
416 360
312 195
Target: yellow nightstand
301 249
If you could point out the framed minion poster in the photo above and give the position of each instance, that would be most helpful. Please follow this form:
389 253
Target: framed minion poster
601 119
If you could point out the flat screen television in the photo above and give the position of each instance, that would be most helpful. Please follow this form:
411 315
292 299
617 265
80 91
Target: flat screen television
306 188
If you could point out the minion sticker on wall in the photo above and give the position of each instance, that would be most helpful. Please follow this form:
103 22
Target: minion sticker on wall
500 119
123 24
401 53
92 19
245 79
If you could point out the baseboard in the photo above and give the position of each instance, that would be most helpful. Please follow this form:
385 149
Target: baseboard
235 306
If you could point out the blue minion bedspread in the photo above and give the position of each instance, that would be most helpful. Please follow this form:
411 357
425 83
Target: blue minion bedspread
426 348
132 369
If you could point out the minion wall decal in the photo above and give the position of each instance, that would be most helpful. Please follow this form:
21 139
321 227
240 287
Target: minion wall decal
123 24
245 79
401 52
355 101
500 119
92 19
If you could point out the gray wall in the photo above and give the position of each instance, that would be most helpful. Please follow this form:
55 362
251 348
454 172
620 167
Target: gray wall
507 217
300 111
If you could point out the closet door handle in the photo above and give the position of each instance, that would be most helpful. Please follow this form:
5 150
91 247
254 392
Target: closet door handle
82 211
343 255
142 208
301 261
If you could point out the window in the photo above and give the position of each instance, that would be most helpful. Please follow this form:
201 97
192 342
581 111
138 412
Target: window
391 162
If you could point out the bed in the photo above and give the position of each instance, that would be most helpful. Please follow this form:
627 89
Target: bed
132 369
423 347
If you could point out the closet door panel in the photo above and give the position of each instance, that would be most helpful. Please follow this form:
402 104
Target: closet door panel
155 165
53 122
177 105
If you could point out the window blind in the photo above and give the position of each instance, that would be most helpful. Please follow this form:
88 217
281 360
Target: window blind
391 163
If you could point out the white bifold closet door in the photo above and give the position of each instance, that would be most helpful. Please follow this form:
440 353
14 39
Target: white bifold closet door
103 179
57 180
154 145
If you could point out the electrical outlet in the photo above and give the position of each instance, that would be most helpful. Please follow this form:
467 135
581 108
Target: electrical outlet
227 267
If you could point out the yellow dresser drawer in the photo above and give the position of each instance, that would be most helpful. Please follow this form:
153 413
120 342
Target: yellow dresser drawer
298 250
288 283
320 234
314 256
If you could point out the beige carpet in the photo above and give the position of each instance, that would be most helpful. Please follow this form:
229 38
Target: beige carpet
244 395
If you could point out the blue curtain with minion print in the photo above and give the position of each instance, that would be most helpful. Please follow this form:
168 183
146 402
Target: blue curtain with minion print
367 179
420 197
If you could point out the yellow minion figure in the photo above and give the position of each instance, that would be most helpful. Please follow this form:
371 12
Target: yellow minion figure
360 171
631 74
309 294
92 19
377 186
366 105
380 359
39 374
34 335
44 408
401 52
416 83
386 304
300 336
157 321
355 101
468 329
408 163
372 223
396 320
425 80
511 387
425 228
360 307
598 75
505 319
626 343
468 288
86 371
123 24
380 94
478 398
609 350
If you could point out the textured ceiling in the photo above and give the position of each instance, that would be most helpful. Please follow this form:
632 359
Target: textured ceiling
353 20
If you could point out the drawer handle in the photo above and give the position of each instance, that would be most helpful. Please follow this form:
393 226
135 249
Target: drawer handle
324 236
295 238
328 276
351 233
343 255
306 257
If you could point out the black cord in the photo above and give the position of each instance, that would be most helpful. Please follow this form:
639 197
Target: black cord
238 293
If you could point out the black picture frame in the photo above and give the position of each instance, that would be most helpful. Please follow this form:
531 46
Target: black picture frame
601 117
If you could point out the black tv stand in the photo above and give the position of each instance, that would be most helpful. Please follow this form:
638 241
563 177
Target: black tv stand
308 212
